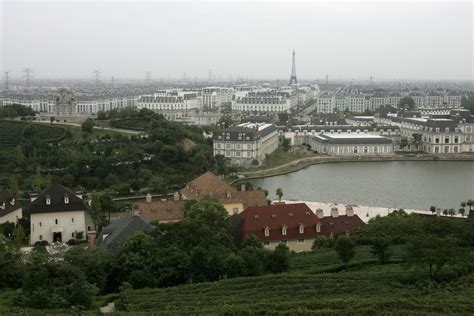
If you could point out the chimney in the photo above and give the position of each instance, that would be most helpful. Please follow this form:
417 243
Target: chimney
148 198
242 187
334 212
136 213
438 211
349 211
91 237
176 196
320 213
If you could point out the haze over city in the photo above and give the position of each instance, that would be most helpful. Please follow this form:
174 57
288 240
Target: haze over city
431 41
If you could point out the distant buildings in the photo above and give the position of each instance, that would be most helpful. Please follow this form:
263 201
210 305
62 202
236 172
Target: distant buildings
265 101
351 144
247 143
214 97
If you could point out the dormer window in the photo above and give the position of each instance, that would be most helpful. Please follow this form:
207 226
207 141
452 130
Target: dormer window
274 216
318 227
256 216
267 231
12 201
301 229
2 206
290 214
284 230
66 199
48 200
228 195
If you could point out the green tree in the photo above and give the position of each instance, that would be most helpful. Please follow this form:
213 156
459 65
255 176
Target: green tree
95 211
322 242
345 248
13 187
433 209
88 126
278 260
251 241
19 236
158 185
285 143
407 102
279 193
381 249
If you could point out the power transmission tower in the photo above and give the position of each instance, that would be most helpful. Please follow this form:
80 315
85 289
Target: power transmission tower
210 75
96 73
371 78
28 76
327 79
112 80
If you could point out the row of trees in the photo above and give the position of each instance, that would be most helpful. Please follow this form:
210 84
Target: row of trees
15 110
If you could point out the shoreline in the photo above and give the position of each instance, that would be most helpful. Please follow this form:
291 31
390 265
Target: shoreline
365 212
303 163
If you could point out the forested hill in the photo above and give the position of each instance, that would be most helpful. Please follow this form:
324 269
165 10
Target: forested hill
92 159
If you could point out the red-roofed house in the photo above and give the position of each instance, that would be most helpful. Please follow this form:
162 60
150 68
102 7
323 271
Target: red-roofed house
293 224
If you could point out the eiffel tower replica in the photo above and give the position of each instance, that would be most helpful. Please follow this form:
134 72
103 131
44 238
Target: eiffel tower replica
293 80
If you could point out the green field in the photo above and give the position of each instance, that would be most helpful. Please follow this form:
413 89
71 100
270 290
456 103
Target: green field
313 287
11 131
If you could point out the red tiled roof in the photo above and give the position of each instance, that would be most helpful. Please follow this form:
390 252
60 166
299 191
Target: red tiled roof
342 224
275 217
168 210
209 184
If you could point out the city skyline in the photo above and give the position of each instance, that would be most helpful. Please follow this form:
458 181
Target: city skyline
174 39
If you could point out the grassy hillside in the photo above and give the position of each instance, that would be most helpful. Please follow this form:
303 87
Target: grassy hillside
11 131
364 288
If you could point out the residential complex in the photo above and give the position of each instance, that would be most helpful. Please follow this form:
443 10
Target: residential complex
246 144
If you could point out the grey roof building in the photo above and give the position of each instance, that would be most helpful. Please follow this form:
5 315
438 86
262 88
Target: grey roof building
114 235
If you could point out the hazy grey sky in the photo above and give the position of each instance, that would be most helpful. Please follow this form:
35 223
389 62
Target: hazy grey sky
255 39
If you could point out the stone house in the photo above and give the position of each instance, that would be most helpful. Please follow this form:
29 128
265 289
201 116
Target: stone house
10 209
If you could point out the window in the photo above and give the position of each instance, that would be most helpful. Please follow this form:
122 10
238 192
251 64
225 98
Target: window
56 221
284 242
300 241
40 225
456 139
284 230
66 199
366 149
266 243
301 229
237 153
267 231
72 220
40 237
437 140
356 149
48 200
237 146
73 235
227 146
318 227
446 140
235 210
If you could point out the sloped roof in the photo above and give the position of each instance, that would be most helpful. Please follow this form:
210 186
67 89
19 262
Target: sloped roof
275 217
205 184
56 193
10 203
342 224
159 210
119 231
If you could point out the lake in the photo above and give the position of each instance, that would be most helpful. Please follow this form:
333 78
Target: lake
400 184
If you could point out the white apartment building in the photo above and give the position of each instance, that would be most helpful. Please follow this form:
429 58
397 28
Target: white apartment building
215 97
246 143
93 106
170 102
351 144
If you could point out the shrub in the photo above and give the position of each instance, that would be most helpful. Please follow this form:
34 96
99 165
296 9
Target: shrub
322 242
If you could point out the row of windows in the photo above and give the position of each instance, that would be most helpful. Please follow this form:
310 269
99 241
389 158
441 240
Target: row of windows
56 222
268 243
245 154
235 146
284 230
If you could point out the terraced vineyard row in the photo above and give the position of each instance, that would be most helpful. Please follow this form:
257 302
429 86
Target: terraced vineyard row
11 131
373 289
